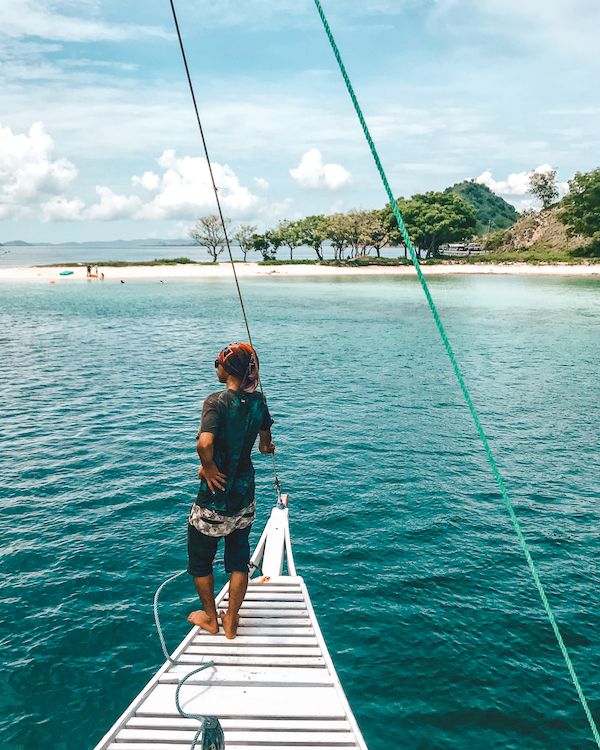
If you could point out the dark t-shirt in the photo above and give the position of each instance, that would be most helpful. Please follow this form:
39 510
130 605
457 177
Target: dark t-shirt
235 419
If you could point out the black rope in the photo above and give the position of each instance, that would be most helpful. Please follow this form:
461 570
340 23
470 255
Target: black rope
212 177
222 218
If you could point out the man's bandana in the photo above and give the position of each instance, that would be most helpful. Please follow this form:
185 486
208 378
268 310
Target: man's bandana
241 360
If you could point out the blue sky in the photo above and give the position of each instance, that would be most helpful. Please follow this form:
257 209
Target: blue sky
98 138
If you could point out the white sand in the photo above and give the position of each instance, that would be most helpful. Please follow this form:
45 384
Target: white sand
223 270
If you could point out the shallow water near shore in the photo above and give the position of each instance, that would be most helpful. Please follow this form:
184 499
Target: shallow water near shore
417 579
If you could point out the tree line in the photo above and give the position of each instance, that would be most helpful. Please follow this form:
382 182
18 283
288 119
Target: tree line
434 218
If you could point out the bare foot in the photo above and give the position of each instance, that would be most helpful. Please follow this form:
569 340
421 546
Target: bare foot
202 620
230 624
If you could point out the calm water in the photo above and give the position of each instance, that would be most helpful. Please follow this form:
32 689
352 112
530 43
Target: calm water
44 254
421 590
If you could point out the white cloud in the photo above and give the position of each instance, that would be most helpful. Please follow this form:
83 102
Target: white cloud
110 118
36 18
559 27
149 181
517 184
288 13
62 209
183 190
273 211
186 189
113 206
574 111
312 174
258 124
261 183
28 173
525 204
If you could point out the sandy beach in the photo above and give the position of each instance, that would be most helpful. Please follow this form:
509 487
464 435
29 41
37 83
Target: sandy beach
245 270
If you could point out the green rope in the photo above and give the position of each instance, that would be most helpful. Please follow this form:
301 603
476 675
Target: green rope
458 373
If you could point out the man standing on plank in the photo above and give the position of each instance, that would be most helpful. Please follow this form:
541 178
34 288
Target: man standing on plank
225 506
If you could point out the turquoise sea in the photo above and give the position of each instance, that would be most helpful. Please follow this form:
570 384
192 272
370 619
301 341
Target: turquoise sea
420 587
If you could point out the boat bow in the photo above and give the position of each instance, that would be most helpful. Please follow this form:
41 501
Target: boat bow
273 686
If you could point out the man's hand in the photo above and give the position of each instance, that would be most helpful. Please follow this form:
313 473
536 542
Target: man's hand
266 447
265 444
214 478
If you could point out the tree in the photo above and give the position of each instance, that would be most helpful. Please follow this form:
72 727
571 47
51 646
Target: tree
208 232
543 186
354 228
344 231
433 219
396 239
262 245
337 234
581 205
289 232
375 230
313 232
243 237
275 239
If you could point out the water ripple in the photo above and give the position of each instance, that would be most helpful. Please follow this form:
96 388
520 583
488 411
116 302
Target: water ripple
414 569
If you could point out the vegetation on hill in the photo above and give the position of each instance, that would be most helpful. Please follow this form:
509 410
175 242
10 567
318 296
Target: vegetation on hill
491 211
536 239
580 208
567 231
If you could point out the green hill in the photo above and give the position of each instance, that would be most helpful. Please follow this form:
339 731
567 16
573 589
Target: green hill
492 211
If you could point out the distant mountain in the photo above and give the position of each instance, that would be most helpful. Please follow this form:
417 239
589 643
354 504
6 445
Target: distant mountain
105 243
129 243
492 211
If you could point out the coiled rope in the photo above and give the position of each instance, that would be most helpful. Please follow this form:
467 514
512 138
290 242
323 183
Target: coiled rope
205 722
459 376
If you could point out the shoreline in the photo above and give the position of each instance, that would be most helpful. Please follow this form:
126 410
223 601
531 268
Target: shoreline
248 270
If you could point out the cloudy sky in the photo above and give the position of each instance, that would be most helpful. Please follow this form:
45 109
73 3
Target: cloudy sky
98 138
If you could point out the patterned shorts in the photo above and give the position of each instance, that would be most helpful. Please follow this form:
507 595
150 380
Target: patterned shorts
211 523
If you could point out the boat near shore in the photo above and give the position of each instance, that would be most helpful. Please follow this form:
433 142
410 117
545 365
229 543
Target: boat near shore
273 686
461 249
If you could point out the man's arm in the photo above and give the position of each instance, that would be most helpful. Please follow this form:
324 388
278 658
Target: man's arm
265 443
209 470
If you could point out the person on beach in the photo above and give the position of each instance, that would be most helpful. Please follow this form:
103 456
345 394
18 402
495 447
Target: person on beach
88 271
225 507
